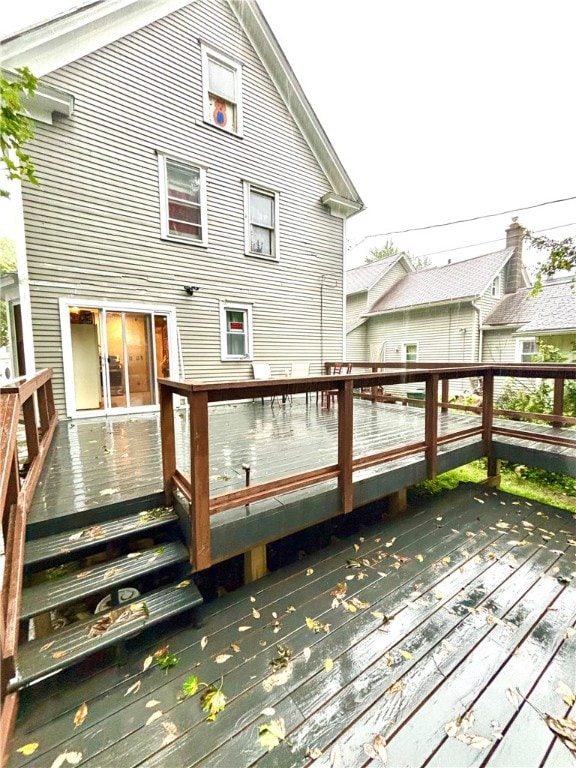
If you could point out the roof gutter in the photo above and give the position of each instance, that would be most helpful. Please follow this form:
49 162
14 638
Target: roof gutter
444 303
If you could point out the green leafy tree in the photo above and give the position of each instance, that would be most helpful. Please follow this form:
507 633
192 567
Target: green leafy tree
7 264
561 256
15 128
389 249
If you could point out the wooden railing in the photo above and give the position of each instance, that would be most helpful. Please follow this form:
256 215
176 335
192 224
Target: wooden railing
436 378
28 401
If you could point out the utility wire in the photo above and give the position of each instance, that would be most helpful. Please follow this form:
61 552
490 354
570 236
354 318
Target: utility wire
464 221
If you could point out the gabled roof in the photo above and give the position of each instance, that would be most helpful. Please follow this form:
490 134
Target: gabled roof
74 34
363 278
467 279
553 309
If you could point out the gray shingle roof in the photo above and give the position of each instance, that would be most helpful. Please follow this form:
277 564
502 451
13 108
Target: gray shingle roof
463 279
363 278
553 309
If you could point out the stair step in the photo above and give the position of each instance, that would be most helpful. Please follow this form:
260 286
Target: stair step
68 646
80 539
41 598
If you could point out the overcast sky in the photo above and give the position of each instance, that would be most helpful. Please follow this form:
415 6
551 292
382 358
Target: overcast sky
439 109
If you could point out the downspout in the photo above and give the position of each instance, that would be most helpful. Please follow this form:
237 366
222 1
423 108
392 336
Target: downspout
479 342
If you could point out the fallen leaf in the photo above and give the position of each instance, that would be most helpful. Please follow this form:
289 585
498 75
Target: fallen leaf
480 501
570 632
28 749
183 584
235 647
377 750
46 646
147 661
154 716
134 688
420 558
566 693
377 614
152 703
221 658
268 712
255 613
396 687
80 715
309 571
244 629
563 727
203 642
313 753
472 740
306 653
328 665
72 758
252 599
271 734
171 733
407 655
58 654
108 491
356 547
213 701
335 757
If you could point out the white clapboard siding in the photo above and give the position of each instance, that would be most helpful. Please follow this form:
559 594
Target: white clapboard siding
93 224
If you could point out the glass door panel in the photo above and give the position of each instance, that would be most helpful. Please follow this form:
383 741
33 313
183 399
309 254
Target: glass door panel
115 360
139 366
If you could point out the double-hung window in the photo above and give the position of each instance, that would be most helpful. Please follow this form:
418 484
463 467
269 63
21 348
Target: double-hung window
183 200
495 290
410 353
527 350
261 222
236 331
222 85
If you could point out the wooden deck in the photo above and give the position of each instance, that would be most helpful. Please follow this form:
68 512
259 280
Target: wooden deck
428 623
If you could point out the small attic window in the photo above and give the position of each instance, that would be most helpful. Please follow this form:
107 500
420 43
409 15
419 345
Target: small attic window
496 288
222 86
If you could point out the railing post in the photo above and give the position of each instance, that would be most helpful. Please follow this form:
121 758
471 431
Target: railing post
431 426
43 409
345 436
487 411
445 393
374 389
31 428
168 443
199 480
558 404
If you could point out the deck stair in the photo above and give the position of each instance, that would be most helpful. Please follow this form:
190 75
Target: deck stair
94 587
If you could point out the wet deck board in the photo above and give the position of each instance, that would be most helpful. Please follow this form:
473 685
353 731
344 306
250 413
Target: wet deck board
476 614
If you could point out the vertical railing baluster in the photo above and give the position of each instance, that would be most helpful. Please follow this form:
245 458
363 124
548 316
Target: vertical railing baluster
558 404
168 442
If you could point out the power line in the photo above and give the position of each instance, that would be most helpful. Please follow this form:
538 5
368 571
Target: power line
464 221
490 242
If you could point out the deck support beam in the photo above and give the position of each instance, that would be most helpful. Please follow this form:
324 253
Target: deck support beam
398 501
345 434
255 564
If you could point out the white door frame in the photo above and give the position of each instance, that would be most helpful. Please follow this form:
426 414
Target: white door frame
66 304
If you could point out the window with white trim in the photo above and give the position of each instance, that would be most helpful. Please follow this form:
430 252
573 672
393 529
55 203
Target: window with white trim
261 221
495 290
222 86
183 200
410 353
236 331
527 349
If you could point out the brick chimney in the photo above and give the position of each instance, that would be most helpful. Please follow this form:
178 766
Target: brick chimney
513 275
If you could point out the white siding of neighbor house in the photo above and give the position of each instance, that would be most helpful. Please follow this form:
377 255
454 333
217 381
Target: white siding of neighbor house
93 224
385 283
356 349
355 307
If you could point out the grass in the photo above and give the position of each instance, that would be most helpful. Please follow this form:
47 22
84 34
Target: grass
536 485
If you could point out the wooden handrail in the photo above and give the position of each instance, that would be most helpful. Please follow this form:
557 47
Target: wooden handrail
30 399
436 378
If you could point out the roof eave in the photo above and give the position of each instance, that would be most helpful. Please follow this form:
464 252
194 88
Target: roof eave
444 302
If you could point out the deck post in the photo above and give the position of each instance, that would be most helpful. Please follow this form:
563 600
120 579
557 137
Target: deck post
487 411
431 426
445 394
374 389
31 428
398 501
493 472
345 434
168 443
558 404
255 564
199 481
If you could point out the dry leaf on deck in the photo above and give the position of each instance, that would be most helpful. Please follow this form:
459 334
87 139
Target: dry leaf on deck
563 727
154 716
309 571
313 753
152 703
135 687
420 558
183 584
268 712
328 665
377 750
335 757
147 661
221 658
306 653
80 715
235 647
566 693
396 687
407 655
72 758
255 613
203 642
570 632
244 629
271 734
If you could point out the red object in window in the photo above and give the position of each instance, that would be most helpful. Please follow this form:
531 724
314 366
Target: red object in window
236 326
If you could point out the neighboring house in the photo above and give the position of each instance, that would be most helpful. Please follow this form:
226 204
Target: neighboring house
437 314
190 214
512 331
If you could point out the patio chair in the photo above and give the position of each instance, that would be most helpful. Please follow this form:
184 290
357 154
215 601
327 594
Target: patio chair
332 394
262 372
300 371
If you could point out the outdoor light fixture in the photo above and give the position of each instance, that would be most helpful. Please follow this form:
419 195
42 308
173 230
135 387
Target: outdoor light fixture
191 289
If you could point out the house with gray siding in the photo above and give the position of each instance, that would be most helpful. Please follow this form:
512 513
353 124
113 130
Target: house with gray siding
190 215
438 314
